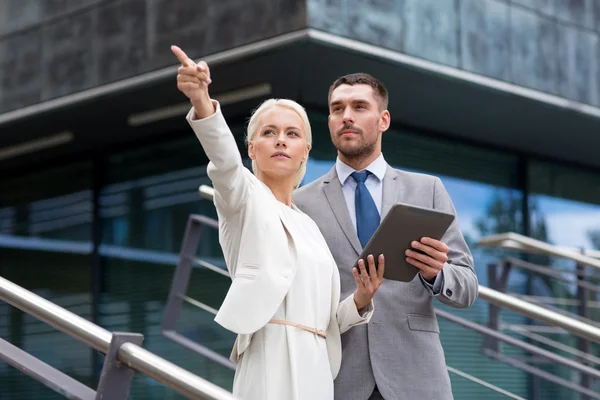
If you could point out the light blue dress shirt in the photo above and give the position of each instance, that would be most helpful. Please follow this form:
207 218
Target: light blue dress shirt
374 184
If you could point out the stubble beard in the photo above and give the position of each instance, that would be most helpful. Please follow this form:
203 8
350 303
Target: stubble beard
357 153
360 151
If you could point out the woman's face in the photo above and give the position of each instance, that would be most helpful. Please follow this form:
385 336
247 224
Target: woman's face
279 144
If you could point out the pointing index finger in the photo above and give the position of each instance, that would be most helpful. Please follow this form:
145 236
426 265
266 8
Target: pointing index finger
182 57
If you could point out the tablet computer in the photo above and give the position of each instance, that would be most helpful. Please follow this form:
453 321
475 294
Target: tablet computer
403 224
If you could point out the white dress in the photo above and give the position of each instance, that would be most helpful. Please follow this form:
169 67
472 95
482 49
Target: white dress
299 283
263 373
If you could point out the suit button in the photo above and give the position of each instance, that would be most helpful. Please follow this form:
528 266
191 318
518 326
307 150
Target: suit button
448 292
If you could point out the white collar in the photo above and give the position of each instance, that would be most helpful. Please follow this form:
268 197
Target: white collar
377 168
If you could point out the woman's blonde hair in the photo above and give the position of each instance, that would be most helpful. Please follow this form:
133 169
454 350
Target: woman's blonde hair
292 105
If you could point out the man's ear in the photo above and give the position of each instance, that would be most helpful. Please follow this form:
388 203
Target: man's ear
384 121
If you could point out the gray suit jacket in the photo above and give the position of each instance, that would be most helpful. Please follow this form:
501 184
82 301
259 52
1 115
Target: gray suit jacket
400 349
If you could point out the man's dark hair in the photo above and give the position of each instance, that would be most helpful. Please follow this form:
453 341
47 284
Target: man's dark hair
362 78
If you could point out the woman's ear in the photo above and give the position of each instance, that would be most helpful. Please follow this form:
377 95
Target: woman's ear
251 150
306 152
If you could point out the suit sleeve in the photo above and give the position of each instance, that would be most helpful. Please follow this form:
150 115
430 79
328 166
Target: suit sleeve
459 286
225 168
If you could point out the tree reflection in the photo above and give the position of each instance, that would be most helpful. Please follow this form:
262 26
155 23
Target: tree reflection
504 213
594 236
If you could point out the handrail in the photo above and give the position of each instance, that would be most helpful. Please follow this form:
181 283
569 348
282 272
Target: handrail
515 241
577 328
135 357
547 306
56 316
206 192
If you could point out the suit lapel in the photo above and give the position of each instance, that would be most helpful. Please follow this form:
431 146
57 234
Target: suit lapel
335 197
391 190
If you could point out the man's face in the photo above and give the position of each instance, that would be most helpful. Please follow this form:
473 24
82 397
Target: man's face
355 120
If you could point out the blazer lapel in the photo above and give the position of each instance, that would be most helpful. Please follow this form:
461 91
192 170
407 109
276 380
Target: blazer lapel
391 190
335 197
287 224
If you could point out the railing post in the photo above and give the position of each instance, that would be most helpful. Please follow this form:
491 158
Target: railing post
500 284
182 275
179 285
115 379
582 309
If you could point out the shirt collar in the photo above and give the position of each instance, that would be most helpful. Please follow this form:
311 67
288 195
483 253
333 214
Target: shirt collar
377 168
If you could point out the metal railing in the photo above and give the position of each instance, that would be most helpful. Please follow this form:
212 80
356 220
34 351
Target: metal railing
497 300
515 241
188 260
582 277
124 355
495 353
178 296
571 325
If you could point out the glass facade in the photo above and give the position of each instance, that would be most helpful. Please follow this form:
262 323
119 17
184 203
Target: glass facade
144 206
101 238
45 246
568 212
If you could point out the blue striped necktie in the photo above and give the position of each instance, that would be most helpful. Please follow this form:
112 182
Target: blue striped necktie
367 216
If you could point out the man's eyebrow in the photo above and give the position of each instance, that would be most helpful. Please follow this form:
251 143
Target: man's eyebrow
360 101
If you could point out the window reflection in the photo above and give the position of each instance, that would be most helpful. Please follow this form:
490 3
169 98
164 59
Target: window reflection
144 208
570 223
570 200
45 247
569 204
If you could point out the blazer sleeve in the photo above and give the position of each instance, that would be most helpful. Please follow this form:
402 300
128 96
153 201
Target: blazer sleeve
348 316
225 169
460 286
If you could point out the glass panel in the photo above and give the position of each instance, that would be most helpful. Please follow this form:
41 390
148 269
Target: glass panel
144 208
568 203
45 246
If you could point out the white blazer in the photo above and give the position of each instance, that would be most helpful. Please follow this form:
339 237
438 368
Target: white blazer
257 243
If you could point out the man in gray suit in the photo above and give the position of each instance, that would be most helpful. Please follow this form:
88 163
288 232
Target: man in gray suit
398 355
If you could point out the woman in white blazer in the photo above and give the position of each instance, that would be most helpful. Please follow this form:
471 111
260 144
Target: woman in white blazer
284 301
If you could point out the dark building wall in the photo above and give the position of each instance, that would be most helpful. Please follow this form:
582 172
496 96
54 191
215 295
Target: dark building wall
52 48
549 45
55 47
